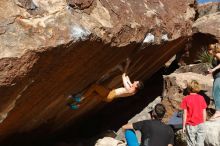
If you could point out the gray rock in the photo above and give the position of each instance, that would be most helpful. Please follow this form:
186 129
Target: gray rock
212 133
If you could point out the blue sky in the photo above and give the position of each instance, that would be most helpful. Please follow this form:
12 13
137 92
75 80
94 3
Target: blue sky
204 1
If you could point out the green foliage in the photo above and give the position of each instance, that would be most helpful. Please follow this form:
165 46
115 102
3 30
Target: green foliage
205 57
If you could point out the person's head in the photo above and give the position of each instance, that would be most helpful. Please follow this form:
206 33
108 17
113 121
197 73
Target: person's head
159 112
214 48
138 85
193 87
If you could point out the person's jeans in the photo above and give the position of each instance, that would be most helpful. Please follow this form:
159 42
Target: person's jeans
216 93
195 135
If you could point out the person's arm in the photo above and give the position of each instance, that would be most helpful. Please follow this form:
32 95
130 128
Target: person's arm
127 126
183 106
204 106
204 114
128 80
184 119
128 61
214 69
127 83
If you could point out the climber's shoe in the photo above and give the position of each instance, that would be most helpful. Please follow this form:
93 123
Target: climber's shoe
74 98
74 106
77 98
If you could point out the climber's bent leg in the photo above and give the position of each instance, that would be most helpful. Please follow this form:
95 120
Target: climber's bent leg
101 90
97 89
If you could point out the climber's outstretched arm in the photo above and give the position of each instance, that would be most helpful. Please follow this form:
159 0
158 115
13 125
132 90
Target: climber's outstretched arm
128 61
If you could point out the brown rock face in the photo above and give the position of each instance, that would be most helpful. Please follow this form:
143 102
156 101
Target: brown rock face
49 50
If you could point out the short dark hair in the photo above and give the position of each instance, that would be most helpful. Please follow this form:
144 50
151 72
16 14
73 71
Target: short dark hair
140 85
160 111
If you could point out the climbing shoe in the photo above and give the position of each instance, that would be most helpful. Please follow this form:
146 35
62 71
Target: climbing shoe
74 106
77 98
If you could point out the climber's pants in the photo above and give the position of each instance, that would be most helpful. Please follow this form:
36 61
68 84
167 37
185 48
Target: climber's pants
111 95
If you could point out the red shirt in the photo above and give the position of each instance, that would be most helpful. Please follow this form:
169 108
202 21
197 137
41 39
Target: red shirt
194 104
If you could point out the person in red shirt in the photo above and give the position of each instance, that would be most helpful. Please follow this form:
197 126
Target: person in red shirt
194 115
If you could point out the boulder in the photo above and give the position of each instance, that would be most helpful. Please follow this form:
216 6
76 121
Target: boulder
50 49
208 20
212 133
208 24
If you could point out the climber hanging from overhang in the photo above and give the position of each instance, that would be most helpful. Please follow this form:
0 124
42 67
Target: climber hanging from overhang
105 94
